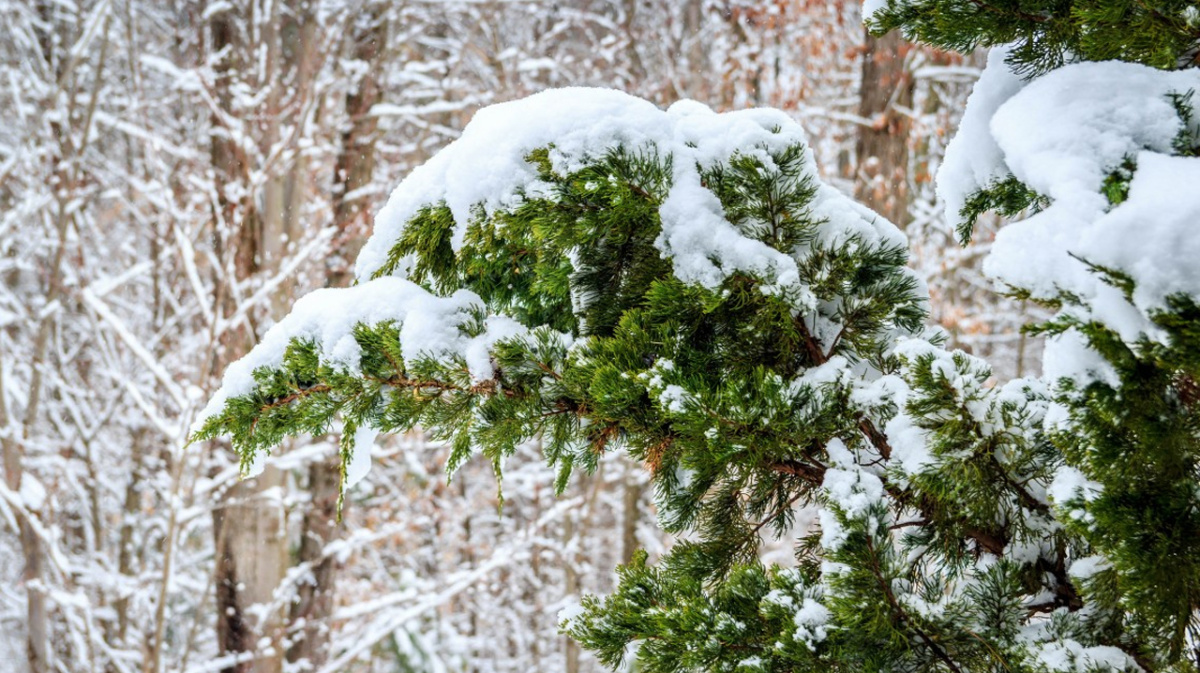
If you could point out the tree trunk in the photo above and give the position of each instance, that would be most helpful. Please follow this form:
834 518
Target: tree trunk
125 557
249 528
355 166
251 553
886 99
571 584
37 625
310 613
356 158
630 514
36 640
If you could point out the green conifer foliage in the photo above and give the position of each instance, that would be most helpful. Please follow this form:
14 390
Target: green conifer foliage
1123 425
707 382
1050 33
680 286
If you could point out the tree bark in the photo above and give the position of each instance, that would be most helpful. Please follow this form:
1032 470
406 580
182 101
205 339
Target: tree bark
249 528
630 514
571 584
66 169
36 641
310 613
356 157
355 167
886 98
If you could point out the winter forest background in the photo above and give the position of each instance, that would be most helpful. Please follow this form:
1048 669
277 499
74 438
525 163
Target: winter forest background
173 174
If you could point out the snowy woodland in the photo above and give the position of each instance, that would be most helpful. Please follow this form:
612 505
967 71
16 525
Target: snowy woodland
175 175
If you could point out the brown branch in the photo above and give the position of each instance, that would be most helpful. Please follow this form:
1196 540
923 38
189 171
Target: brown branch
284 401
901 616
546 368
877 438
603 436
654 454
1065 594
811 346
782 508
813 474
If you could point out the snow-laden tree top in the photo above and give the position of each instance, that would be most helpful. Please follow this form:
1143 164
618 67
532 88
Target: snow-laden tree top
488 169
1097 143
1104 155
584 269
563 211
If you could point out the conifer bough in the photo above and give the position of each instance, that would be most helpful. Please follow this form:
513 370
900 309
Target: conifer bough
585 269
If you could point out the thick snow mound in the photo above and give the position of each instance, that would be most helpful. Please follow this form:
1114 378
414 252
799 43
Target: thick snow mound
1157 229
1063 135
487 168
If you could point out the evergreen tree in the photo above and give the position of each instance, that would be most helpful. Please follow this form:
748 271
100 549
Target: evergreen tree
585 269
1051 33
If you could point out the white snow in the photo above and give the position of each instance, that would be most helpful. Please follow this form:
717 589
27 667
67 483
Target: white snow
673 398
910 445
1085 568
832 532
32 492
1154 230
706 246
751 664
878 392
486 168
854 491
913 349
973 158
840 455
834 370
1061 135
780 598
360 457
1065 130
1069 356
812 621
1069 484
570 612
1071 655
429 326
